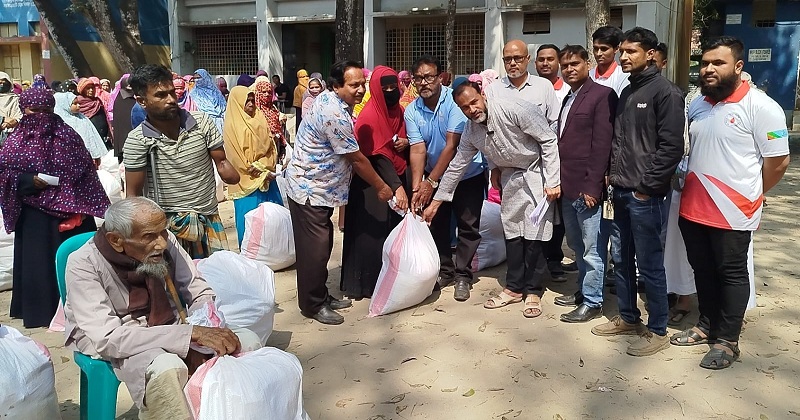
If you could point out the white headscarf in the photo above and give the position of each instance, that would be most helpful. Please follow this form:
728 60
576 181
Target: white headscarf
80 124
9 102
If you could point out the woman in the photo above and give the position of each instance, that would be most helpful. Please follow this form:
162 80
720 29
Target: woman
184 101
381 135
315 87
104 96
245 80
208 98
222 85
405 80
91 106
250 149
40 82
43 215
264 102
105 84
9 106
67 108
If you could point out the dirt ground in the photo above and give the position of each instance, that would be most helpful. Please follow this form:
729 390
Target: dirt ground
444 359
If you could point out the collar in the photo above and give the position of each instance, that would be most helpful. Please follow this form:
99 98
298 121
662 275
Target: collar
558 84
443 94
187 123
648 74
575 93
608 73
507 81
736 96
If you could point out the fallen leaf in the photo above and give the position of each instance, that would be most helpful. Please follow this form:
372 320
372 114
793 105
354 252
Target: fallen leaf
64 359
419 385
558 417
400 408
469 393
396 399
678 384
580 362
384 370
343 402
482 328
495 389
408 360
450 389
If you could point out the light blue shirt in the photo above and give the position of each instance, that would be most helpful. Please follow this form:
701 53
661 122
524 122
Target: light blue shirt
432 127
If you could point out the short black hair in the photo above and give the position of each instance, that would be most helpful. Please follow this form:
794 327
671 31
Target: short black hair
275 75
426 60
339 69
570 50
609 35
645 37
662 48
548 47
148 75
56 86
735 44
464 86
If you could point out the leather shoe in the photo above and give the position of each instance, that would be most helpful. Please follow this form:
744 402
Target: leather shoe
569 300
462 290
582 313
337 304
326 315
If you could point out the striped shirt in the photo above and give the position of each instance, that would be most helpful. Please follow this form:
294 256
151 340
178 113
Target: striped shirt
184 168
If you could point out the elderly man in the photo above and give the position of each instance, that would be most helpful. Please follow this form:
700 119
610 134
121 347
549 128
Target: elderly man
118 309
519 142
10 113
171 156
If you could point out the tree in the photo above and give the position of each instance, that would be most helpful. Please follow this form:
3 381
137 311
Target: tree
350 30
598 13
122 39
449 37
63 40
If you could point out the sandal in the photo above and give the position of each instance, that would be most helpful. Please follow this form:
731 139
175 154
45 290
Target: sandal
677 316
533 306
501 300
718 359
689 337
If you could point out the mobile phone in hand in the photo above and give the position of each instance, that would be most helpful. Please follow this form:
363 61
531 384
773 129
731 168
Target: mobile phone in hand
580 205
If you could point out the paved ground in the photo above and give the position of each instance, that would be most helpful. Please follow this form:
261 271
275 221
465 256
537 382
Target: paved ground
445 359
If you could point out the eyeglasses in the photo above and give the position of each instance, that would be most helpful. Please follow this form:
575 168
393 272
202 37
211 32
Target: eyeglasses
429 78
517 59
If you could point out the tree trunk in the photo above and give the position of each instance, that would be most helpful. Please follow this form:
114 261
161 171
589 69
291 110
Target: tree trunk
350 30
62 39
449 37
129 34
598 13
119 41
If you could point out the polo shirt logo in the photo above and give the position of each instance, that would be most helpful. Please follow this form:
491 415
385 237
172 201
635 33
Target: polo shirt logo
731 119
774 135
641 106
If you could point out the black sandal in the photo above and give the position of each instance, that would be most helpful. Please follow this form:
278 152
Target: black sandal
689 337
717 359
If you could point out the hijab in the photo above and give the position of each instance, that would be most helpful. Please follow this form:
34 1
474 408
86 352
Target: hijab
247 143
264 95
377 123
85 129
9 101
88 106
245 80
310 97
207 96
184 101
40 82
104 96
43 143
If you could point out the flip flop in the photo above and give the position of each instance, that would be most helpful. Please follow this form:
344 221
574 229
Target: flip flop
501 300
677 316
533 307
717 359
688 337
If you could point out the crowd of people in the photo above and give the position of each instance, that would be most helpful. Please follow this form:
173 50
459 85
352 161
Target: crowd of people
600 156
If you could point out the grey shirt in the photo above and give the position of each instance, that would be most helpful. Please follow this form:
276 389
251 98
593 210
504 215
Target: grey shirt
535 90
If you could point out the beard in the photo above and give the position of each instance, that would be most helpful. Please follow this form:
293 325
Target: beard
724 88
480 118
158 270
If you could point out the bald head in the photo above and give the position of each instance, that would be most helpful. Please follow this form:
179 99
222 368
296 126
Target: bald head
516 59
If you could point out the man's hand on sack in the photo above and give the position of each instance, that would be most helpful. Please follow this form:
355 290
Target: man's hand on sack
430 211
222 340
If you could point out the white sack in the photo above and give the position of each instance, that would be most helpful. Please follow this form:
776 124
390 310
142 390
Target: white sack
268 236
110 164
27 379
492 249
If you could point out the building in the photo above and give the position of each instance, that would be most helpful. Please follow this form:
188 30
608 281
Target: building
20 39
281 36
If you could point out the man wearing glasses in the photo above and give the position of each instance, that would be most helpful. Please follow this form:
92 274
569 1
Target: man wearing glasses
434 124
520 84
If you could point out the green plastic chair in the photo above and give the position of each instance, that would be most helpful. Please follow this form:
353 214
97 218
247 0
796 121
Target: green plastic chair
99 384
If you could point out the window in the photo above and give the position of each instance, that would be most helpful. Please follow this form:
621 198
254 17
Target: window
764 13
409 39
226 49
36 29
536 23
10 60
615 18
8 30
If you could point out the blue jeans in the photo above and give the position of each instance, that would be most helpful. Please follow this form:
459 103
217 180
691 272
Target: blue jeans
636 233
587 235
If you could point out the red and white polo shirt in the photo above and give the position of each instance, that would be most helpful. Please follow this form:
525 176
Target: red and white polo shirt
729 140
562 90
614 78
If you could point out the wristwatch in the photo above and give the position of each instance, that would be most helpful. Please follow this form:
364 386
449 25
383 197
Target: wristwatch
434 184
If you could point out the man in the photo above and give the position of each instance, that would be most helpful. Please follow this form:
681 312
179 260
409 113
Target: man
123 106
660 58
118 309
434 125
519 142
297 98
172 152
10 114
282 92
647 146
605 44
586 128
547 67
522 85
739 151
318 180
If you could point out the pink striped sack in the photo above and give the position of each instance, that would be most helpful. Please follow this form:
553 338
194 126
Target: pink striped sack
268 236
410 267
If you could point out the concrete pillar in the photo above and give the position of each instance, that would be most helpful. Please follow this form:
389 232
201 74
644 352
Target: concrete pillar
270 42
494 36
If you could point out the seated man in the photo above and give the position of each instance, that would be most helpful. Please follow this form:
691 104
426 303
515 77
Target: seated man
118 308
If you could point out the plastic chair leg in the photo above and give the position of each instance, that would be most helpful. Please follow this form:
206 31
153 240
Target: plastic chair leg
99 397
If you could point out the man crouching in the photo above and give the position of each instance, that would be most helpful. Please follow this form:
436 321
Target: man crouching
118 307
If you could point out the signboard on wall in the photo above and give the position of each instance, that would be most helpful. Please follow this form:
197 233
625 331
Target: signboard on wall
733 19
759 55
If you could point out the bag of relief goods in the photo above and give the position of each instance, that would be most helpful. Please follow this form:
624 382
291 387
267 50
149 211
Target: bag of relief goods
27 379
6 258
268 236
492 249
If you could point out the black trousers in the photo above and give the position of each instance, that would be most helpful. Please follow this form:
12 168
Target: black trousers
466 205
527 266
719 260
313 237
552 248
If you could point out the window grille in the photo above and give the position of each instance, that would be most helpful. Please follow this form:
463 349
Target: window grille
615 17
8 30
536 23
409 39
10 60
226 49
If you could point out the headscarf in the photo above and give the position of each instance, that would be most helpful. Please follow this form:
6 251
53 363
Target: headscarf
43 143
88 106
245 80
264 90
310 97
207 96
302 78
26 84
377 124
17 89
40 82
9 101
261 73
247 143
105 80
404 74
114 94
104 96
409 95
85 129
184 101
